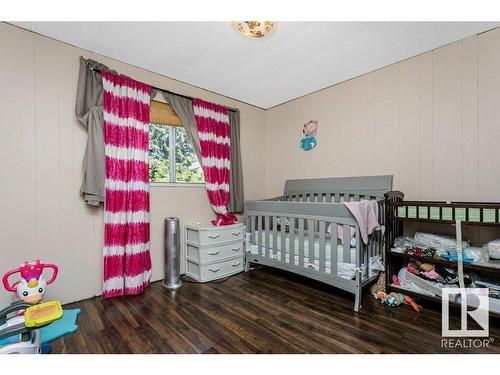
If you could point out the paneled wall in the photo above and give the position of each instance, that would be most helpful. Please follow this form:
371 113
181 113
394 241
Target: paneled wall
42 146
433 121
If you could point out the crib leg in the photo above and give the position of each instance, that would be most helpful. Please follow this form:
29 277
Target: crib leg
247 247
357 301
358 296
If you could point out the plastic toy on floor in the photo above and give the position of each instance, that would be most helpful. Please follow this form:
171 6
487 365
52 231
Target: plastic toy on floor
61 327
21 334
31 287
395 299
40 323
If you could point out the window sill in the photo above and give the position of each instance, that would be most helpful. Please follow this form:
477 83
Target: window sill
176 184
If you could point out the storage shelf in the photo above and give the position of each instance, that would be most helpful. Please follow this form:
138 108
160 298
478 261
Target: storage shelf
491 266
399 212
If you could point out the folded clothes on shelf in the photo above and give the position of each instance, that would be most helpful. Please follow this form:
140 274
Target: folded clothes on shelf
409 246
453 256
432 246
493 249
478 254
438 242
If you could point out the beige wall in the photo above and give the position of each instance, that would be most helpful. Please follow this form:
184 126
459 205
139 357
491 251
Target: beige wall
432 121
42 146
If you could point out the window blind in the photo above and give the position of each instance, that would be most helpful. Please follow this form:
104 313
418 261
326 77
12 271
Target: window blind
161 113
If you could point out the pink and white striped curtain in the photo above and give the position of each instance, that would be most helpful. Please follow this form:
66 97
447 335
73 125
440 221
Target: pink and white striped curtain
127 262
214 132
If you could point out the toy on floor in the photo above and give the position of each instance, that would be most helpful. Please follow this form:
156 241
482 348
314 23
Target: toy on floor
31 287
61 327
395 299
21 334
32 329
379 286
42 314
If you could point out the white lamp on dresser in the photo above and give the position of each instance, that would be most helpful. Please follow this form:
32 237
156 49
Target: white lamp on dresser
213 252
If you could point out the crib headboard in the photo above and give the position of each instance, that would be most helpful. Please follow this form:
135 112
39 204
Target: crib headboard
325 188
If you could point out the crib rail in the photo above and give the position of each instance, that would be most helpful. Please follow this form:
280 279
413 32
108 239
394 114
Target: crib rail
328 197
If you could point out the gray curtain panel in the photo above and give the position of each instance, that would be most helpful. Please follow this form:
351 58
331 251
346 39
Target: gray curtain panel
183 107
154 91
88 109
236 198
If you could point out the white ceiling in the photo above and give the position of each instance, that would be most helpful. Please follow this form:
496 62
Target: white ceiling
299 58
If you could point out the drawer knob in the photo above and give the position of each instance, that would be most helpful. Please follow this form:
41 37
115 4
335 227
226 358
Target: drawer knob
236 264
236 248
214 270
214 236
214 253
236 233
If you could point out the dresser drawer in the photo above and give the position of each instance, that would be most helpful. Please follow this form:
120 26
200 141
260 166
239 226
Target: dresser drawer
221 269
214 271
215 253
211 237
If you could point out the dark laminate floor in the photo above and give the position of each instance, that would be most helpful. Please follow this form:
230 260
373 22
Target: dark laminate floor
263 311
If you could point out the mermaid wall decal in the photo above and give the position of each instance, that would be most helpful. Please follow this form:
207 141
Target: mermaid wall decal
309 130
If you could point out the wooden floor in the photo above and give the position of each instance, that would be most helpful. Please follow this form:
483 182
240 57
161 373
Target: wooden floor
263 311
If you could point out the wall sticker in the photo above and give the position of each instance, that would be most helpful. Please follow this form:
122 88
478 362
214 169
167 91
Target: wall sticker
309 130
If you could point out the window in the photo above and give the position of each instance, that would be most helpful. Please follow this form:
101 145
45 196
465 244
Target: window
171 158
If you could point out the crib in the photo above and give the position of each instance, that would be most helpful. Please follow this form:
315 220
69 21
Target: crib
309 231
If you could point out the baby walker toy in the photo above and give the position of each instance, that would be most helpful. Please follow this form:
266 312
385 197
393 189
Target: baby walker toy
21 334
31 287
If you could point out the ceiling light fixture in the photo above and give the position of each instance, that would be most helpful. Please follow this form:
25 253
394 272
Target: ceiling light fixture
254 29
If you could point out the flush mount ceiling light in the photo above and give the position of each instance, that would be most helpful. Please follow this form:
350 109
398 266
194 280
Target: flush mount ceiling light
255 29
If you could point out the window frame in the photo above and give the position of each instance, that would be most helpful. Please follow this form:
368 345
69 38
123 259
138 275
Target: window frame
172 165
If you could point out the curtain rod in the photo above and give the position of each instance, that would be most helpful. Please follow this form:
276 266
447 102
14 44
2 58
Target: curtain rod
170 92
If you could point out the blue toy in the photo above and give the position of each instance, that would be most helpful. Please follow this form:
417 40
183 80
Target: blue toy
67 324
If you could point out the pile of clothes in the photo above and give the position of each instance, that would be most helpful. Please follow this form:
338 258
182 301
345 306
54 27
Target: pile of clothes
434 277
437 273
427 278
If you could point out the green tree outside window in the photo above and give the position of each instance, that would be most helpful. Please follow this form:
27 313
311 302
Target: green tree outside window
167 143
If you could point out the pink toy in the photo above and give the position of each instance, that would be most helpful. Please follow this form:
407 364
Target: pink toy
31 287
395 280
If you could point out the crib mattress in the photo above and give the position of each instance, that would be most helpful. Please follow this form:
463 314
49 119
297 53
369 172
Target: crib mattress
346 270
340 247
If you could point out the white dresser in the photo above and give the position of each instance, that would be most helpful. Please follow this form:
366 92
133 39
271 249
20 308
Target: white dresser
213 252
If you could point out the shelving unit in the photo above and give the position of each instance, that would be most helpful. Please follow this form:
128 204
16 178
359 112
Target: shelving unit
399 212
